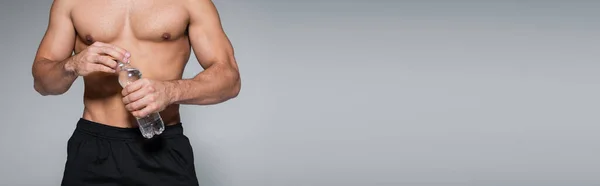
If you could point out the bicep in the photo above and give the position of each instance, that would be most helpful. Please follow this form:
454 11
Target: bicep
59 39
207 37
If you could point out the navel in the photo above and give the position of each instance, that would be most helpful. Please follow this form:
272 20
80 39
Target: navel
166 36
89 39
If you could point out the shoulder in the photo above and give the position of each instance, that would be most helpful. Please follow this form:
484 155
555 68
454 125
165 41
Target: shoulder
198 2
197 6
201 10
63 3
62 6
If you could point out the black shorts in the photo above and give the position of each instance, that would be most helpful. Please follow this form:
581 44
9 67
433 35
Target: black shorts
102 155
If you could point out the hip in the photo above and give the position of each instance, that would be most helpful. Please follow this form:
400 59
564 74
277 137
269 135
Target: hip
99 153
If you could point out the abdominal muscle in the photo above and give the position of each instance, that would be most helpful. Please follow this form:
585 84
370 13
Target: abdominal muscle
158 61
110 111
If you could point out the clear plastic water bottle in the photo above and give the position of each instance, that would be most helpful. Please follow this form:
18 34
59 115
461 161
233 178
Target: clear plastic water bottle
152 124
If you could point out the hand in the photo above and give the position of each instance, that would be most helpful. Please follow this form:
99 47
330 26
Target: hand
144 96
98 57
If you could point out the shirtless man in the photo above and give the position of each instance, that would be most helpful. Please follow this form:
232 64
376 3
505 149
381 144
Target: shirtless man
87 38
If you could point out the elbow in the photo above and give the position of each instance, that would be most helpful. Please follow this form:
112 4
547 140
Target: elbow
40 89
43 86
236 86
38 85
236 89
44 91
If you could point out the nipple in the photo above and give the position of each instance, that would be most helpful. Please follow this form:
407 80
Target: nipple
89 39
166 36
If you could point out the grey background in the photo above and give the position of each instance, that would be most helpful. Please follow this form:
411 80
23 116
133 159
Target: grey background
369 93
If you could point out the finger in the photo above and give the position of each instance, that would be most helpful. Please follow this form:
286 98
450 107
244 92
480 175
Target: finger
139 104
101 68
132 87
107 50
122 51
98 43
135 96
118 49
116 54
145 111
107 61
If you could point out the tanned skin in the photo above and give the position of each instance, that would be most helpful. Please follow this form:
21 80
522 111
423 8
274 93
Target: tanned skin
86 38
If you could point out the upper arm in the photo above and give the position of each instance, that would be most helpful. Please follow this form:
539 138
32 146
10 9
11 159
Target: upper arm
59 39
207 37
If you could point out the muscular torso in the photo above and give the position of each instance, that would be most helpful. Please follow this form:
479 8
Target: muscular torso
154 32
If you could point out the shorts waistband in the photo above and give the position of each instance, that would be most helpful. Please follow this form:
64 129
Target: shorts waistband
106 131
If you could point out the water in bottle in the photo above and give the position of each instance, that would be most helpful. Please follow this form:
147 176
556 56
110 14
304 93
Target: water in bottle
152 124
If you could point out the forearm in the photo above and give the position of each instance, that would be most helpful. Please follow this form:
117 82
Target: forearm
51 77
216 84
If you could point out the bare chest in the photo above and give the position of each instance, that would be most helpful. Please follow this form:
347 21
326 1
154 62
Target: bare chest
110 20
